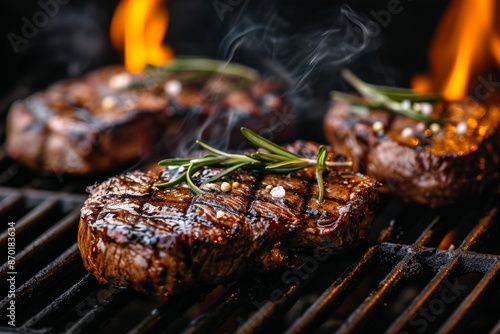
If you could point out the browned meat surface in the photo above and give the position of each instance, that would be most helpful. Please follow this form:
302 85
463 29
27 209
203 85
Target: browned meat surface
423 163
93 123
164 241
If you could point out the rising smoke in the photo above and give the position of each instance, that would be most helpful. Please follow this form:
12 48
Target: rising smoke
300 53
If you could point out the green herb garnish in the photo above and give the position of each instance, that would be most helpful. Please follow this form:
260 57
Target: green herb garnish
384 97
277 160
196 68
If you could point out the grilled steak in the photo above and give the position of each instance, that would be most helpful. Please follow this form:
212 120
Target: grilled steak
164 241
95 123
423 163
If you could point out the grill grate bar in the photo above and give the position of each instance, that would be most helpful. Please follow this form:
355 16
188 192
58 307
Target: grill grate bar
496 329
406 261
431 233
481 263
213 317
12 200
474 237
463 314
401 273
28 252
427 294
102 311
67 299
263 315
44 277
334 295
385 219
32 217
176 305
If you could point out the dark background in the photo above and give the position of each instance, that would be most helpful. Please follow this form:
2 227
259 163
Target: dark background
76 40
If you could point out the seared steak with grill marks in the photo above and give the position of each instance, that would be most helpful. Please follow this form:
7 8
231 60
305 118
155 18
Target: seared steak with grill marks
164 241
423 163
95 123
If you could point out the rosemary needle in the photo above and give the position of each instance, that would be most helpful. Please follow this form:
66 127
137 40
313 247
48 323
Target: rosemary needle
199 67
278 160
384 97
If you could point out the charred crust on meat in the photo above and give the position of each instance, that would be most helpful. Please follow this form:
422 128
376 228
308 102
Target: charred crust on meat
65 128
167 241
439 167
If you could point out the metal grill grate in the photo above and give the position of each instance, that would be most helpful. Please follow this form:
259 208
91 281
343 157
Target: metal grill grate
406 279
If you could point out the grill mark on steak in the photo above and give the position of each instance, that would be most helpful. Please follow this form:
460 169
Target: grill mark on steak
169 240
307 197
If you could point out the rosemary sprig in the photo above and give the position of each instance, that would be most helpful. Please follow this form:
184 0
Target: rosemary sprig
278 160
199 67
384 97
319 172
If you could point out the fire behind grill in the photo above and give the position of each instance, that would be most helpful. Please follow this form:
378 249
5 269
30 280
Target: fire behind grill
407 278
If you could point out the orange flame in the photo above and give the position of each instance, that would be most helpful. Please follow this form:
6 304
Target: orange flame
465 44
138 28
